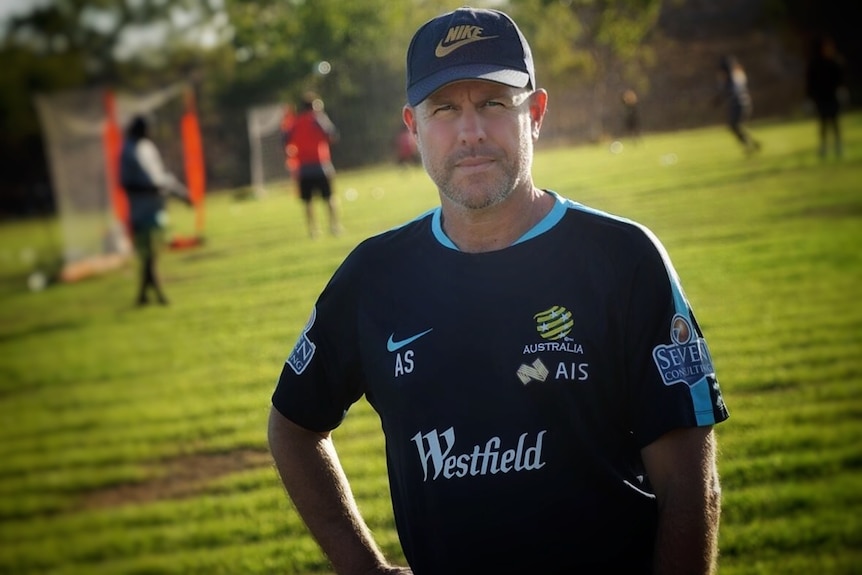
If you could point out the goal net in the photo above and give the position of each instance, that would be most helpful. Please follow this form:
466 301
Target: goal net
268 168
83 133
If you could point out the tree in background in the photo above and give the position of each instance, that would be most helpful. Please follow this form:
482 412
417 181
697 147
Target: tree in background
65 44
103 34
243 53
600 43
352 53
237 53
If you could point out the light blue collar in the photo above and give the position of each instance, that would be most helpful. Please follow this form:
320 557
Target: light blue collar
548 222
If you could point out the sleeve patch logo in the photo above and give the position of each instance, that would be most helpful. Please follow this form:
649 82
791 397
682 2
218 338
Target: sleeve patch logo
686 359
303 351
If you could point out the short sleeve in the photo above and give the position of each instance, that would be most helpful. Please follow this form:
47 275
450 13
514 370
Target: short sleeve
321 377
671 379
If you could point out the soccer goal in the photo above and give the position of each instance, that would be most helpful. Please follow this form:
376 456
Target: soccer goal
268 161
83 134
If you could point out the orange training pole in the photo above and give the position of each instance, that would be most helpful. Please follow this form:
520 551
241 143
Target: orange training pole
194 159
112 143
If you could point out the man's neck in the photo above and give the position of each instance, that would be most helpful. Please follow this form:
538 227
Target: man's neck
497 227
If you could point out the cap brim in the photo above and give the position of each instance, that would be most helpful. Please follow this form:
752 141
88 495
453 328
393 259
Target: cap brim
492 73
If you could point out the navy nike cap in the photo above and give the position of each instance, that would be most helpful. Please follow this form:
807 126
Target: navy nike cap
467 44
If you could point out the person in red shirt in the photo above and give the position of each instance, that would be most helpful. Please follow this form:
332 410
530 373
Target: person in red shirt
307 141
406 148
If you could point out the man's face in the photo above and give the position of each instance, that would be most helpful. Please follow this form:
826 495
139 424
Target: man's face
476 139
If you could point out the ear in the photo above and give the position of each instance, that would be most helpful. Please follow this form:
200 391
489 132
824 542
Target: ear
538 107
408 114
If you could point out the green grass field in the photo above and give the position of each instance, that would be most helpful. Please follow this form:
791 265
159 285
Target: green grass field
132 441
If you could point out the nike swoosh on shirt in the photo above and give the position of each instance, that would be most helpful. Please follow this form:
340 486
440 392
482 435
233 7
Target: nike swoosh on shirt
442 50
393 345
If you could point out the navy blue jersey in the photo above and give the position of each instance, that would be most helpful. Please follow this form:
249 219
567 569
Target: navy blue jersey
515 387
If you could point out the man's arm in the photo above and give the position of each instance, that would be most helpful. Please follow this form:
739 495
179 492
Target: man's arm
151 161
327 126
682 468
314 479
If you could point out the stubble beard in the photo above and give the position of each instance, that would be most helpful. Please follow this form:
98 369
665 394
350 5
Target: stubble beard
483 190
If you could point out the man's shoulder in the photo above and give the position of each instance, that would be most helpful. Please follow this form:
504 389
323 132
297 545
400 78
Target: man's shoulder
402 236
394 241
377 257
607 229
582 215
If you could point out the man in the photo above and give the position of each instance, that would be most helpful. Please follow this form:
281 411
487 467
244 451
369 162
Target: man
733 90
824 85
545 392
147 183
307 142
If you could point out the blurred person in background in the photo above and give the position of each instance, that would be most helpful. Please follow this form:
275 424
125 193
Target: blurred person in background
307 140
824 85
147 185
733 91
406 151
631 115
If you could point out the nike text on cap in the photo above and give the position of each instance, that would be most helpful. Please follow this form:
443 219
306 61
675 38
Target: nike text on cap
467 44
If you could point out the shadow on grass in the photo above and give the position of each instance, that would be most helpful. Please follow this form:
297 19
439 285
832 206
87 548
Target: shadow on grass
39 330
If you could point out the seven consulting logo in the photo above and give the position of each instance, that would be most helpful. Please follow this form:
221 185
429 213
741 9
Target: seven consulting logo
686 359
457 37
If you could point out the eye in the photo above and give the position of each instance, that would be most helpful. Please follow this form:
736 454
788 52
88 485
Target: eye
494 104
441 108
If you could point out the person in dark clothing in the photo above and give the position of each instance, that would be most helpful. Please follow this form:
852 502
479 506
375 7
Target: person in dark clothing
733 90
631 117
147 184
824 82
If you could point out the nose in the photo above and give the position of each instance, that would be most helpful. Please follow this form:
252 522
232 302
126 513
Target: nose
471 127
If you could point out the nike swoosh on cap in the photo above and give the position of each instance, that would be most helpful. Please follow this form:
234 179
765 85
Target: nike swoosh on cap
393 345
442 50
